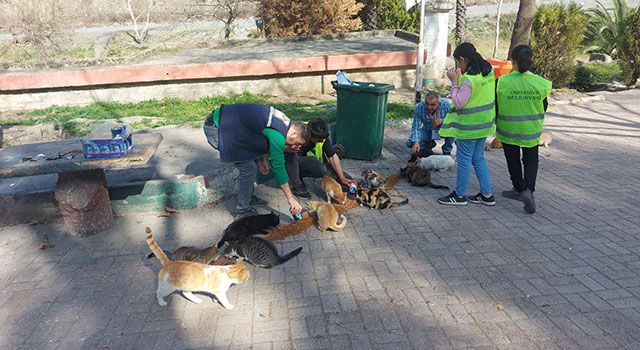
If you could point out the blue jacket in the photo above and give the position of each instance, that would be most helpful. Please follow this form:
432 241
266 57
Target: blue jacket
241 125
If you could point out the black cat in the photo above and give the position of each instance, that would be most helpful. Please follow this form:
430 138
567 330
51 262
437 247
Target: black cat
257 251
248 226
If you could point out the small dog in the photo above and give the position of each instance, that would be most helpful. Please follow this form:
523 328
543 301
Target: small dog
437 162
545 138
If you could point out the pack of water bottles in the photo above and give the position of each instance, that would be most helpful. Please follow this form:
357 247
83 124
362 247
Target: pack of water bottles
100 145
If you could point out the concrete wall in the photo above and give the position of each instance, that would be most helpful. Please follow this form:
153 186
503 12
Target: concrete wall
271 85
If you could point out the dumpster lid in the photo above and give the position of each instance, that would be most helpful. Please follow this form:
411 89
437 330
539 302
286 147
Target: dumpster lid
379 88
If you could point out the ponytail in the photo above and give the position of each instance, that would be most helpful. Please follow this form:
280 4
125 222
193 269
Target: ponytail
476 64
523 56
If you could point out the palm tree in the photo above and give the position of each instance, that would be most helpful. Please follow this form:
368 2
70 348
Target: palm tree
461 22
604 29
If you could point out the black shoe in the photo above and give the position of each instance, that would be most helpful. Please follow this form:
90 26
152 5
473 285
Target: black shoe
529 202
245 212
301 192
453 199
413 158
481 199
257 201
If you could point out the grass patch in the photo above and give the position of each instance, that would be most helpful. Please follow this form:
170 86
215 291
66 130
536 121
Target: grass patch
155 113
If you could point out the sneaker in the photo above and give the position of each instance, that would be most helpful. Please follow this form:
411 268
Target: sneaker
481 199
529 202
257 201
512 194
301 192
245 212
452 199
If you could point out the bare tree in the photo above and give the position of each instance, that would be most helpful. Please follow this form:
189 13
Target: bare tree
522 27
461 21
140 36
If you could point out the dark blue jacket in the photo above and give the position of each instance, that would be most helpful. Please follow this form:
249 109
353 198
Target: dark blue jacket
241 125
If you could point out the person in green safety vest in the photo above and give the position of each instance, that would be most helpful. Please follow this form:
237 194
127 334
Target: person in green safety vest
472 121
315 159
521 99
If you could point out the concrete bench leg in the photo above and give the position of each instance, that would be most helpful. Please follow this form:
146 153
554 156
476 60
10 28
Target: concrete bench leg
83 200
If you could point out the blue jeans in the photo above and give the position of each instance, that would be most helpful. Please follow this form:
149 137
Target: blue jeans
429 144
471 152
448 145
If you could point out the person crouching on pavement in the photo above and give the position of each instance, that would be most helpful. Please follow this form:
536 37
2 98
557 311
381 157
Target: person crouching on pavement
315 159
248 135
427 119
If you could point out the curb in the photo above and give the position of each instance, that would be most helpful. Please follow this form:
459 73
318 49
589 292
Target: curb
579 100
180 192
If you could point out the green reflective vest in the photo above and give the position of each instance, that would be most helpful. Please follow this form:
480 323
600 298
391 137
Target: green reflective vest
520 108
477 119
316 151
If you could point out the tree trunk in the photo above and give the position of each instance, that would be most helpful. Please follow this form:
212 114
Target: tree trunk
461 22
522 28
369 15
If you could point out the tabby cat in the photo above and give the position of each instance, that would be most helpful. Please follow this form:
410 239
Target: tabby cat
248 226
203 256
188 277
377 199
419 176
257 251
327 216
332 189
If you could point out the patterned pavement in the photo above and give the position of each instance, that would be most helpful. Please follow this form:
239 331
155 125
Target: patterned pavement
421 276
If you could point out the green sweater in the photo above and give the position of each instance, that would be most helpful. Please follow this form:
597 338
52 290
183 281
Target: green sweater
276 150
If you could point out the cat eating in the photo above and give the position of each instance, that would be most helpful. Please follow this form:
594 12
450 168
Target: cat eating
372 179
419 176
203 256
257 251
377 199
189 277
327 216
248 226
332 189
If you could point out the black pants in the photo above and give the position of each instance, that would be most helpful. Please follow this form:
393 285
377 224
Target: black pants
530 162
303 166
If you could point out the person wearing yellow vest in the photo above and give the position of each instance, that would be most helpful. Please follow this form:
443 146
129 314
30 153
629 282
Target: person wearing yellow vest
521 102
315 158
471 122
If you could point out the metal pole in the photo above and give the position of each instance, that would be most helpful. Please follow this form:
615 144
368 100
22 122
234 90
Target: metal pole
420 48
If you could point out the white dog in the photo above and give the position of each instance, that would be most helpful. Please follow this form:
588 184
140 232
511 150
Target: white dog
437 162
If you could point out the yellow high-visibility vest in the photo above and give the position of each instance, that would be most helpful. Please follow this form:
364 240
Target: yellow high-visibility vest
520 108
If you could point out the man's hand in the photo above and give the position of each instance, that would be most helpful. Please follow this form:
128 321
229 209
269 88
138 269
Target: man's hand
415 148
295 206
263 166
349 182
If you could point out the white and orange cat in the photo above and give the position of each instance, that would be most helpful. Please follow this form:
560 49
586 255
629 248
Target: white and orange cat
188 277
327 216
333 190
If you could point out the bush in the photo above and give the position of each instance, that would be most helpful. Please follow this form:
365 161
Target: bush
629 47
284 18
392 15
556 35
596 73
604 30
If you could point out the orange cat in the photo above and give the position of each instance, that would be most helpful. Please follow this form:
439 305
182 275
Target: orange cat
188 277
333 190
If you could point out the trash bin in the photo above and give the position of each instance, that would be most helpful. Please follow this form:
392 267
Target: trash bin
360 118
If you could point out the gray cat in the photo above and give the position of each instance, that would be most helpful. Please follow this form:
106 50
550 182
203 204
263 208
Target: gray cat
257 251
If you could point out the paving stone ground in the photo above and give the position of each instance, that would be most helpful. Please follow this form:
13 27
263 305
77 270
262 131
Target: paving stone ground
421 276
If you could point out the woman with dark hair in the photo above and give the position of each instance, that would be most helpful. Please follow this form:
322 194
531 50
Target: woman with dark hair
521 102
472 121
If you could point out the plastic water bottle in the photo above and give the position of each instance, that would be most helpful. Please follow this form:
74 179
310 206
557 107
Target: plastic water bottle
296 216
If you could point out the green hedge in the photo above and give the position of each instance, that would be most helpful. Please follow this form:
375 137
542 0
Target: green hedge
596 73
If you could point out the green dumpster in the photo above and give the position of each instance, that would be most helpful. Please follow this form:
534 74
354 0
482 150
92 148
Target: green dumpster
360 118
